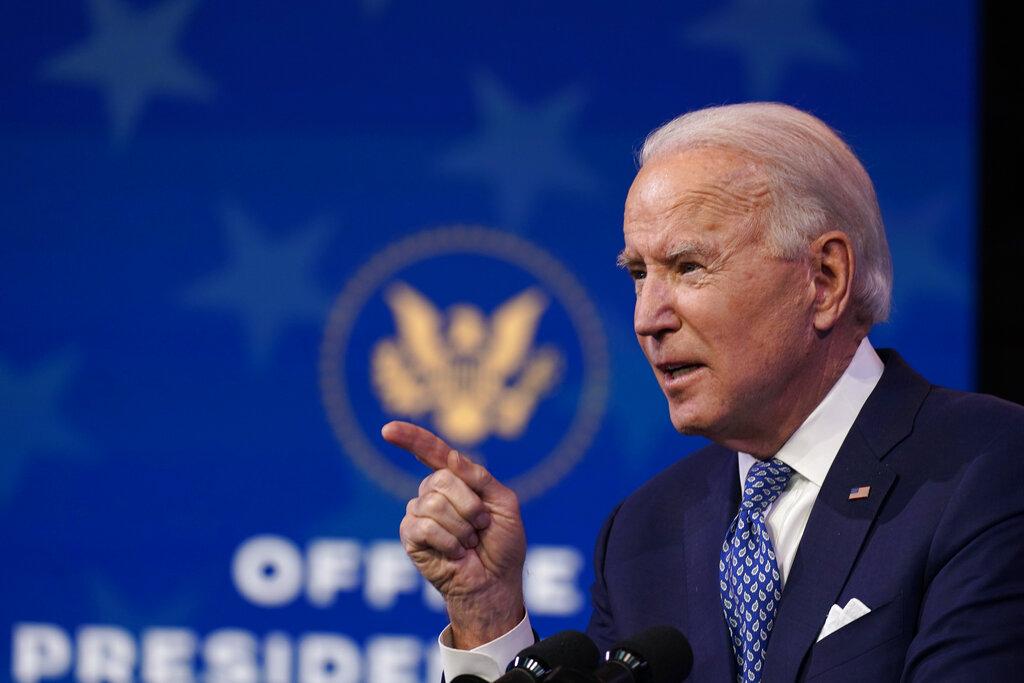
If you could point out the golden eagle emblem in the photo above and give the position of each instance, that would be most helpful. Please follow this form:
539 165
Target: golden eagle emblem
474 376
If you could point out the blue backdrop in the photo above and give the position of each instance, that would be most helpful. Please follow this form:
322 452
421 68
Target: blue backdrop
234 234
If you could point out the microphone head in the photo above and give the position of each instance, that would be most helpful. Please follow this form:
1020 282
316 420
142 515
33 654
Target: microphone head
660 654
567 649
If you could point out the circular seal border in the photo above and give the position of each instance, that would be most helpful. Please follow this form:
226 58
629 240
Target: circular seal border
466 239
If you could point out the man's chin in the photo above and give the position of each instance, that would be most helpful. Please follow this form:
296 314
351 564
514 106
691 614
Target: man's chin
689 424
692 430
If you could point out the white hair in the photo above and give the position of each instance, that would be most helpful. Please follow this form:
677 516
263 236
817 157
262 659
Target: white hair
815 184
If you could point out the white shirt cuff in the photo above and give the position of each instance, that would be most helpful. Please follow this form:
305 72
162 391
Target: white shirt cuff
488 661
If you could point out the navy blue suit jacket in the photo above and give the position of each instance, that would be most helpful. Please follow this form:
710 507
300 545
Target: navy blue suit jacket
936 550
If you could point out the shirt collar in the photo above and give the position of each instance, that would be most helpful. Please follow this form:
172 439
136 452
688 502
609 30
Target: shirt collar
814 445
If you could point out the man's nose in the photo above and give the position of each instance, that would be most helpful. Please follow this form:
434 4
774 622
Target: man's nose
655 313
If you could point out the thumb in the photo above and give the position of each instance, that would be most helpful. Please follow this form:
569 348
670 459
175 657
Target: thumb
476 476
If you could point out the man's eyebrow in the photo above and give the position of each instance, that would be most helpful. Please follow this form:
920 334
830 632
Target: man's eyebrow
691 248
626 258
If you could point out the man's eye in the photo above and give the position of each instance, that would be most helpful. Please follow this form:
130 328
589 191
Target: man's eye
690 267
638 274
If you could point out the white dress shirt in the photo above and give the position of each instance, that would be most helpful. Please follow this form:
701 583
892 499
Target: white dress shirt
809 452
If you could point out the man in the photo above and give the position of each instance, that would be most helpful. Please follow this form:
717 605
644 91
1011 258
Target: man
850 520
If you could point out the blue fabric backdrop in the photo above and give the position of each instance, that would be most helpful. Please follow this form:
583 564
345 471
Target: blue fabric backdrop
209 211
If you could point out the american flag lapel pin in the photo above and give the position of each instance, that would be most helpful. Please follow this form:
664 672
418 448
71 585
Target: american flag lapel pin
860 492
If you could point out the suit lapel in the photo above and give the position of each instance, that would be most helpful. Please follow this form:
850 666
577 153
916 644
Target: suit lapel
705 528
830 544
838 526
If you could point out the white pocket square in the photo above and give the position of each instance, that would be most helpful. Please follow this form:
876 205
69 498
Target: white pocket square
839 617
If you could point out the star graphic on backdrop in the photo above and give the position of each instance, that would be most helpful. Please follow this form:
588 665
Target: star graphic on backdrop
131 57
269 283
520 150
31 423
769 36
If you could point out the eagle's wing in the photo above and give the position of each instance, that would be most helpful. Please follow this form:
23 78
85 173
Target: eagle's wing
518 402
419 328
398 386
513 327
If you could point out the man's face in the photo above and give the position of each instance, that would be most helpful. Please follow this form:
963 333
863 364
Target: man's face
724 324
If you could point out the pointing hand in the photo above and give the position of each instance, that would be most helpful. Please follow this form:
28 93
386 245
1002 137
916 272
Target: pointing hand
464 534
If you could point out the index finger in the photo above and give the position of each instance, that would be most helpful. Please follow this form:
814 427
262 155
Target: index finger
429 449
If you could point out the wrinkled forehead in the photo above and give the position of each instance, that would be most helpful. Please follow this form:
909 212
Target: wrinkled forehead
704 179
705 190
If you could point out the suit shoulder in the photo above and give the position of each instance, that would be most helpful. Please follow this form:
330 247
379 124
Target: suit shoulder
972 419
957 433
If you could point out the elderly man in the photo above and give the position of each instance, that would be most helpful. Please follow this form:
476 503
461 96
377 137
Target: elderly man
850 520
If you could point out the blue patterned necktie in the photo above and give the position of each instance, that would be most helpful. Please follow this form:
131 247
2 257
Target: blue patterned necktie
748 572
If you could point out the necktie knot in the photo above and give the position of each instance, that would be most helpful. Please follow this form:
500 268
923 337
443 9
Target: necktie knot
765 481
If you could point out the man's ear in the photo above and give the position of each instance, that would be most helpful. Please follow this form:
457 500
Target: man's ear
833 265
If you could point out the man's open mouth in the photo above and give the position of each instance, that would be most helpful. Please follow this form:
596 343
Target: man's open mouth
674 370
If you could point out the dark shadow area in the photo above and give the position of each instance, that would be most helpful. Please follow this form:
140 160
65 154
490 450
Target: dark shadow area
1001 238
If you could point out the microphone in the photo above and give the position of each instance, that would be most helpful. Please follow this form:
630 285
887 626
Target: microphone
660 654
565 650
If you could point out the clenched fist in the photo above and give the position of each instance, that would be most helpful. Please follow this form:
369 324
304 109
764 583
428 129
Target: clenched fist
464 534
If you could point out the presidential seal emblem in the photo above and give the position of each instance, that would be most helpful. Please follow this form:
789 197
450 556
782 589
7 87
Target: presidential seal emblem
477 335
480 377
